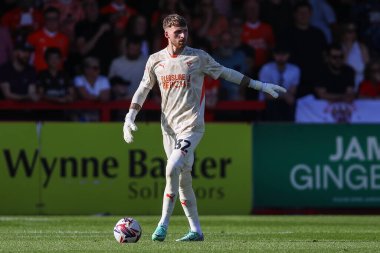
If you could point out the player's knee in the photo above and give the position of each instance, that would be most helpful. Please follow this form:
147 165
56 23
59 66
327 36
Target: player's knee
185 181
172 171
176 159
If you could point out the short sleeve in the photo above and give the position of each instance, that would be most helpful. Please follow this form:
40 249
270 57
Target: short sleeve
149 78
296 76
79 81
209 66
112 71
104 84
328 13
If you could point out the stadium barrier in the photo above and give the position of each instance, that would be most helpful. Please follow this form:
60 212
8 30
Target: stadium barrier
74 168
316 168
105 108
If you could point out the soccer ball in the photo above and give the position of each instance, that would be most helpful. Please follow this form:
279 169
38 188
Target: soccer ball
127 230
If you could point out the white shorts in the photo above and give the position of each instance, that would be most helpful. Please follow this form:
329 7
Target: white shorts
186 143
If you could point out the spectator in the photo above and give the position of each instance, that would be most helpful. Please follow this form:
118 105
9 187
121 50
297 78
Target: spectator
208 23
337 80
166 7
285 74
223 7
91 85
323 17
367 17
118 13
370 86
211 86
278 14
7 5
47 37
306 44
94 36
257 34
236 30
17 78
71 13
126 71
343 10
22 20
53 83
138 27
6 45
355 53
230 57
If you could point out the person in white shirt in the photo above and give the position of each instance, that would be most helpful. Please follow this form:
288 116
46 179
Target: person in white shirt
128 69
285 74
323 17
179 71
356 53
91 85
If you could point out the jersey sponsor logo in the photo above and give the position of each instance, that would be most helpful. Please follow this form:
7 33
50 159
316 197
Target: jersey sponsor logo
175 81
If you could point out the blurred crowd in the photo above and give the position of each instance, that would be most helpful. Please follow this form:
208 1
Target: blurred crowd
68 50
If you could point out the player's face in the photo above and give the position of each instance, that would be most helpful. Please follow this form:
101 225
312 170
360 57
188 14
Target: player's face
177 36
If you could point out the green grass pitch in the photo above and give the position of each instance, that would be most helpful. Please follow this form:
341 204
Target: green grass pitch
222 234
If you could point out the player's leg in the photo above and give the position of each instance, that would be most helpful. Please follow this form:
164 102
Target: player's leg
187 196
173 167
189 205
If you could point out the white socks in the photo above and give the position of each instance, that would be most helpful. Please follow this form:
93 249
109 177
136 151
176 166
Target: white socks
170 194
177 182
189 202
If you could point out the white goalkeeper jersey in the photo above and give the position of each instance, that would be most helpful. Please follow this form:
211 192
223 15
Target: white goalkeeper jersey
180 79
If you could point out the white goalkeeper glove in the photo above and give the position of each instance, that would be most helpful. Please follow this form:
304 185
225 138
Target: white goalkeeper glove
129 125
271 89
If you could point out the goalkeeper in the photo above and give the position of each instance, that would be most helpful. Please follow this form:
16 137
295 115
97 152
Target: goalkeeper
179 71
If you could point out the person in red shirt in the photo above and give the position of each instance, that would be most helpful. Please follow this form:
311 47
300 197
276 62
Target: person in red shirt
370 86
257 34
71 12
119 13
211 87
22 19
208 23
48 36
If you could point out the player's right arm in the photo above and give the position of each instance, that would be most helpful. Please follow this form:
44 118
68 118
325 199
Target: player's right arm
138 99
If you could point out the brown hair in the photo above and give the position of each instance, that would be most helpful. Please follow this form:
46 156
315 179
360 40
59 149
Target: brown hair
174 20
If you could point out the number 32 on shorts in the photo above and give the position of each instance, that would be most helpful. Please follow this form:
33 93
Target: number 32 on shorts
182 145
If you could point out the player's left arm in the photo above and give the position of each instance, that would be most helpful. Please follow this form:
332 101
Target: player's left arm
215 70
238 78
